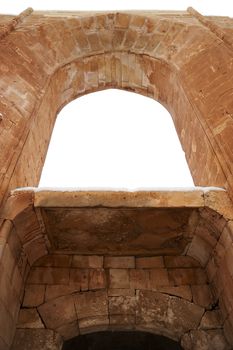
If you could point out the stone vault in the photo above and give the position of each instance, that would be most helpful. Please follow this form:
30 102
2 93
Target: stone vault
80 262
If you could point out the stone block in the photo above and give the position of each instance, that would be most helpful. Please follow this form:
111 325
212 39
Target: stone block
29 318
48 275
91 304
202 295
122 20
228 329
127 321
7 324
36 339
87 261
149 262
180 261
55 260
54 291
79 278
34 295
159 277
171 315
211 320
205 340
119 262
93 324
139 279
68 330
3 345
122 305
119 278
179 291
200 250
58 312
97 279
187 276
121 292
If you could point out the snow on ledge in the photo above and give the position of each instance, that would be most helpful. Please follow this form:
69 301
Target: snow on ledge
109 189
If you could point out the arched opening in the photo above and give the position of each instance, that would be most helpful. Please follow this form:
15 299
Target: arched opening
115 139
133 340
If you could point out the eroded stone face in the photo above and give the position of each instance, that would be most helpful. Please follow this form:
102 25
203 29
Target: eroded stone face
118 231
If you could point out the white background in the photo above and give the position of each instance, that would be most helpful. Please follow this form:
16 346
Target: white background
115 139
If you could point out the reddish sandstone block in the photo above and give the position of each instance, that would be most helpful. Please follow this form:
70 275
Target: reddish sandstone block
97 279
139 279
179 291
211 320
119 262
122 20
159 277
149 262
87 261
200 250
54 261
180 261
202 295
33 295
29 318
187 276
58 312
48 275
79 278
55 291
119 278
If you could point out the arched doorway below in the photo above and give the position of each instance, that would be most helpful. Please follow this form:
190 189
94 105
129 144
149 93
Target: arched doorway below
115 340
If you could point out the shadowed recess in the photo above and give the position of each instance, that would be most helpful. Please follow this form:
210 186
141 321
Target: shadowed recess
121 341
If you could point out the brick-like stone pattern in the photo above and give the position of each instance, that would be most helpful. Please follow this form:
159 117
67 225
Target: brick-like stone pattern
149 53
74 294
183 61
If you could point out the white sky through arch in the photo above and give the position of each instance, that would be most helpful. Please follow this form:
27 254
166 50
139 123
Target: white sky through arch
115 139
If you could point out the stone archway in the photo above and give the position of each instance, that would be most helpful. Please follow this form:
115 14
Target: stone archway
59 58
184 61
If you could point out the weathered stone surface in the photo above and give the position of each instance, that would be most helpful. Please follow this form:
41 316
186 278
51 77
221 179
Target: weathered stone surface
202 295
181 59
91 304
97 279
51 275
205 340
119 278
119 262
122 305
79 278
34 295
36 339
118 231
211 320
29 318
68 330
92 261
179 291
170 315
58 312
149 262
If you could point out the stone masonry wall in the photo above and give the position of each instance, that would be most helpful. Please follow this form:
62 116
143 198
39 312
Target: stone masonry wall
76 294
